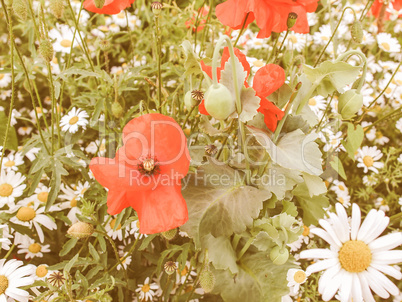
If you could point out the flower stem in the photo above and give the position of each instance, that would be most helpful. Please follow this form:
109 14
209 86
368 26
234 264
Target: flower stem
242 29
245 247
159 55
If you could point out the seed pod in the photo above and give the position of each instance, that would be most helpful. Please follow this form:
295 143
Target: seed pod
357 31
207 280
156 8
56 8
81 230
279 256
99 3
46 50
169 235
349 103
170 267
219 102
20 9
117 110
292 18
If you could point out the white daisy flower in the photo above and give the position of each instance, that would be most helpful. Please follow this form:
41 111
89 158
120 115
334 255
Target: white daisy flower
4 241
317 104
63 36
12 161
39 112
126 262
369 180
12 276
334 141
387 43
32 249
295 278
5 94
71 203
97 146
114 233
74 119
5 79
370 134
135 229
120 19
11 186
31 154
394 13
368 38
32 215
181 275
25 130
368 159
398 26
381 204
357 259
147 290
14 115
380 138
344 199
296 41
80 189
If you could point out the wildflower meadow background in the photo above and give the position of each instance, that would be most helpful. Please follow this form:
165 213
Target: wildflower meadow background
233 150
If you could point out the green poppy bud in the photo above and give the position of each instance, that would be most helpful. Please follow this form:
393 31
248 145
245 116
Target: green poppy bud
56 8
207 280
357 31
292 18
81 230
46 50
20 9
117 110
279 256
349 103
219 102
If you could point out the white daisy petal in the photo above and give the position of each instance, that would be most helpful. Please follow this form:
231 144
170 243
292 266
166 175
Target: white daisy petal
321 265
386 242
356 219
384 281
318 253
357 294
333 286
367 225
324 235
367 295
389 270
375 285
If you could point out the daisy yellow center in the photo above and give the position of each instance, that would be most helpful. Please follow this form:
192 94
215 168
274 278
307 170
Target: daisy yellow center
368 161
324 38
258 63
26 214
73 202
10 163
38 110
145 288
73 120
293 39
66 43
34 248
341 200
1 76
388 90
378 134
3 284
299 276
42 196
6 190
41 271
137 224
121 16
113 223
312 102
184 271
386 46
342 188
306 230
355 256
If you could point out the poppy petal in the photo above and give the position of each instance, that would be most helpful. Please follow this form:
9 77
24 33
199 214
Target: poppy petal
233 12
268 79
111 7
161 209
272 114
116 201
201 108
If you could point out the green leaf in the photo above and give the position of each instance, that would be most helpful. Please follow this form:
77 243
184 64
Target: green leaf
227 77
68 246
263 241
70 264
76 71
250 104
206 127
331 76
218 202
55 182
12 141
313 207
354 140
220 252
281 96
191 64
289 208
93 252
315 184
336 164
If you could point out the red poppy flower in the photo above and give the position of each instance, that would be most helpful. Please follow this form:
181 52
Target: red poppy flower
270 15
377 6
146 173
203 11
111 7
266 80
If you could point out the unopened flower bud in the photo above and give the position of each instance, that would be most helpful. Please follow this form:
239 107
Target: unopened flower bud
117 110
349 103
357 31
104 44
156 8
207 280
81 230
169 235
56 8
46 50
279 256
20 9
219 102
170 267
292 18
99 3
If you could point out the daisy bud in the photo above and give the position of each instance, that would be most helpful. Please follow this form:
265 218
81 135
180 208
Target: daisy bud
104 44
170 267
20 9
279 256
219 102
81 230
99 3
292 18
169 235
349 103
357 31
207 280
57 8
156 8
46 50
117 110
